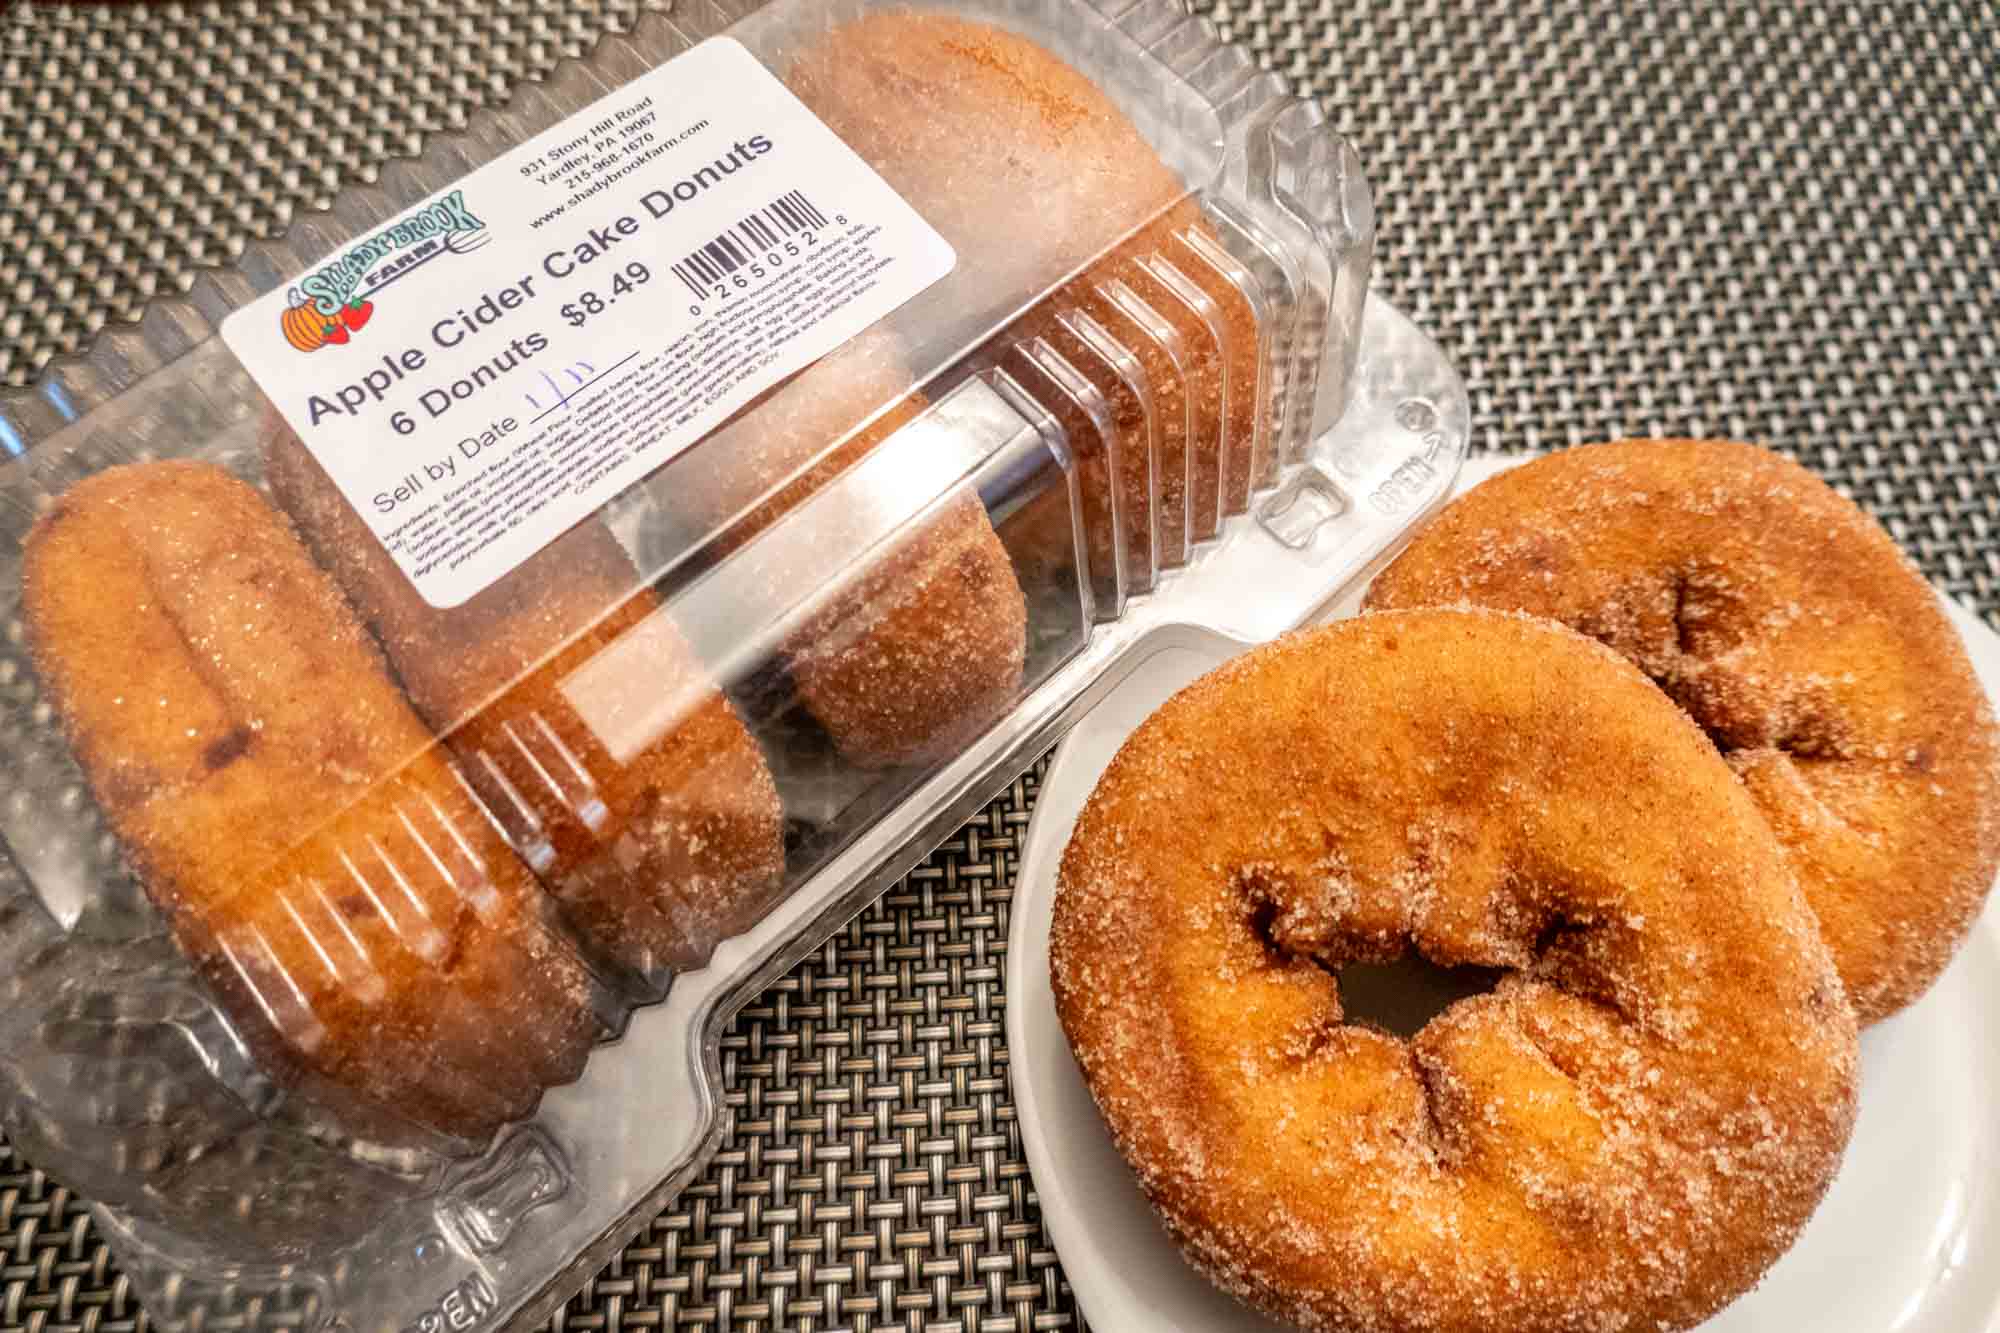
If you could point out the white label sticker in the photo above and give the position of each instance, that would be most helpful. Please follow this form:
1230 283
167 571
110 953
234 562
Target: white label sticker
490 367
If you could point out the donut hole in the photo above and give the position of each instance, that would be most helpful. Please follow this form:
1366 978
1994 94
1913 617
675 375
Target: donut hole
1383 984
1394 976
1402 996
1689 628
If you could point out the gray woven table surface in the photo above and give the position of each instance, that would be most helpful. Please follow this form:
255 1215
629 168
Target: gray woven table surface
1761 221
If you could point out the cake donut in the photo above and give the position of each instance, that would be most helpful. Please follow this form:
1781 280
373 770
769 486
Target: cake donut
319 860
922 648
922 645
925 641
1794 631
1623 1134
977 126
657 853
972 124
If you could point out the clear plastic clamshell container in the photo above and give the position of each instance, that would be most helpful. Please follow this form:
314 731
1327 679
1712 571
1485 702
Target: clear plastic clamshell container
380 861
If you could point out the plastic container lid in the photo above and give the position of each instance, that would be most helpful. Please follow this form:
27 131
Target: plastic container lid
593 561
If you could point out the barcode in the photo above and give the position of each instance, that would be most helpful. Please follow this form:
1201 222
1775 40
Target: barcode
789 213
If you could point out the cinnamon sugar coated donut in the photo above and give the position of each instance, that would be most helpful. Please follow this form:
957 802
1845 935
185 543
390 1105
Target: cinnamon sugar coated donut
1017 158
1794 631
923 646
319 860
655 858
924 649
1050 194
1624 1134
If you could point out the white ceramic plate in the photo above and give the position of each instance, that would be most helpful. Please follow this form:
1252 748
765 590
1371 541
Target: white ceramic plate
1907 1241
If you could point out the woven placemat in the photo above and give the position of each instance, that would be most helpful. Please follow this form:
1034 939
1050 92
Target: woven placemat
1765 221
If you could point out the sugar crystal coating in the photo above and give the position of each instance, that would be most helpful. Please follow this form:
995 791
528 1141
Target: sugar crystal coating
1624 1134
1793 630
317 856
1048 192
657 856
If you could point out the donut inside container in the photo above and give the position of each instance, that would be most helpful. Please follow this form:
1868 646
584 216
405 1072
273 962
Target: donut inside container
368 952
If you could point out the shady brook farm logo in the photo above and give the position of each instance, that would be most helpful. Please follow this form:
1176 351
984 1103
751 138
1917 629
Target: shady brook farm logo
332 303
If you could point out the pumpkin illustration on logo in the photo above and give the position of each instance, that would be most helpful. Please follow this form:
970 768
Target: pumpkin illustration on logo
306 328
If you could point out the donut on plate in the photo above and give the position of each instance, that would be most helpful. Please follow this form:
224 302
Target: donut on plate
1793 630
1624 1134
